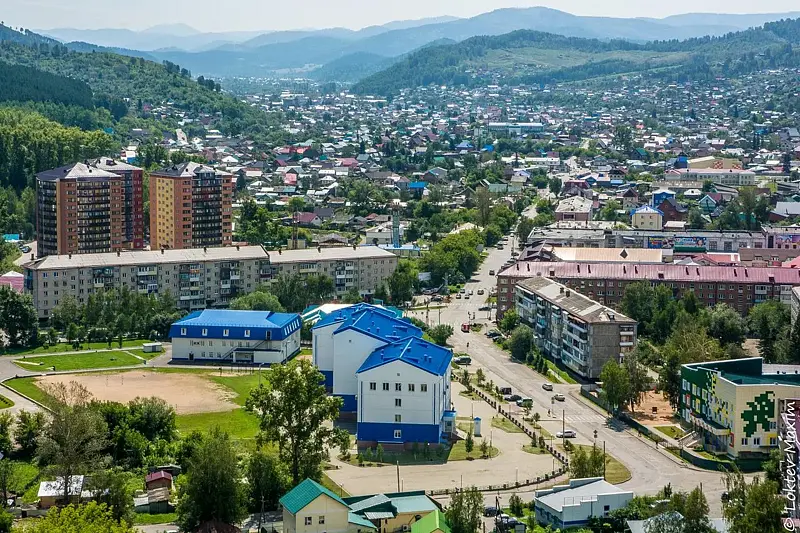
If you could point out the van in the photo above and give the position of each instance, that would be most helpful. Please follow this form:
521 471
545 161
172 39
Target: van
463 360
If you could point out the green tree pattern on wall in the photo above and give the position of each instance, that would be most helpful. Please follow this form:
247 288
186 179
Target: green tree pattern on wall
758 413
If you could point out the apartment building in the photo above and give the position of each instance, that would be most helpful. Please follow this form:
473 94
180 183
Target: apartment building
132 200
190 207
84 209
734 177
198 278
739 287
571 328
362 267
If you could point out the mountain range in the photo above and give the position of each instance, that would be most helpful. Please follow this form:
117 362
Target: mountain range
340 54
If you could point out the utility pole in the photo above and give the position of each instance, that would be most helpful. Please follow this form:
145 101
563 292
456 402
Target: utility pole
604 462
563 427
398 475
261 514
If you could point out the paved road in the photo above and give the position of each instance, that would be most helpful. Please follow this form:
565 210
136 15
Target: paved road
650 469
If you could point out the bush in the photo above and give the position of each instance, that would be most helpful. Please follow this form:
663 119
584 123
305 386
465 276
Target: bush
515 505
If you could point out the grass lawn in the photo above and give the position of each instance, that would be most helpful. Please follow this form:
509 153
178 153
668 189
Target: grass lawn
66 347
82 361
616 472
469 394
27 387
305 351
459 452
145 355
332 486
238 423
501 422
146 519
536 451
5 403
709 455
561 373
671 431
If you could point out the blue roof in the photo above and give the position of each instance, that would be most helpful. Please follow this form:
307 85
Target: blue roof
374 321
413 351
228 317
417 185
647 209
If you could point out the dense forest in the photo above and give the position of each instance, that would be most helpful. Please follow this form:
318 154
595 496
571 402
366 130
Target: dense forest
466 63
19 83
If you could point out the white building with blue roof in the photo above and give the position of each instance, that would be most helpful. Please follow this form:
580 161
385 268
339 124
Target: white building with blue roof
404 394
221 335
355 346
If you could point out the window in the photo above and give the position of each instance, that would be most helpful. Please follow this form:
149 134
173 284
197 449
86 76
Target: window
247 333
322 519
398 387
307 521
410 387
225 332
423 387
205 332
756 441
398 434
398 418
373 386
398 402
183 331
744 441
386 386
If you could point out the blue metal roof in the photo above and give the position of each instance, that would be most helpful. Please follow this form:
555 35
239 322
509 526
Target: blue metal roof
417 185
371 320
238 324
413 351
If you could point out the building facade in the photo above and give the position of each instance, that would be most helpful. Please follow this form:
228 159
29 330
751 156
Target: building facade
739 287
81 209
734 405
572 505
133 200
190 207
196 278
221 335
571 328
647 217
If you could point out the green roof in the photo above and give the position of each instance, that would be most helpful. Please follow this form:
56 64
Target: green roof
305 493
431 522
353 518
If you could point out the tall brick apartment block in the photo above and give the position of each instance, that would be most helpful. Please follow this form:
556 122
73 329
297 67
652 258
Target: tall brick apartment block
83 209
190 207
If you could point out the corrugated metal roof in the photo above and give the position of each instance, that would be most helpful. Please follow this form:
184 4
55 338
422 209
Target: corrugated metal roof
228 317
304 493
414 351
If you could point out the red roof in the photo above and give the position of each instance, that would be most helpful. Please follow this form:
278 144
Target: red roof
667 272
153 476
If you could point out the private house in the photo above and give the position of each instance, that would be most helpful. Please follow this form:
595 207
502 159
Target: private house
158 480
311 508
572 505
308 219
236 336
575 208
709 202
647 217
672 210
52 492
629 199
660 195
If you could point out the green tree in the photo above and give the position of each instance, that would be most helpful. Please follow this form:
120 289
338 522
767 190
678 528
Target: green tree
768 321
111 487
484 448
26 433
483 201
6 424
440 333
509 321
689 343
402 281
696 220
515 505
756 506
524 228
469 442
554 185
793 349
695 513
18 319
74 438
623 138
638 379
92 517
212 490
726 325
293 409
259 300
638 302
520 342
492 234
68 311
267 479
465 511
616 385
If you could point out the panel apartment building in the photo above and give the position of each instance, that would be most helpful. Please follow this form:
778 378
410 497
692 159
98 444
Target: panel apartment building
83 208
190 207
199 278
571 328
739 287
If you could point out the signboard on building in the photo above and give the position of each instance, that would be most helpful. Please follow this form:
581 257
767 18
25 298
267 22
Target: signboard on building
660 243
690 244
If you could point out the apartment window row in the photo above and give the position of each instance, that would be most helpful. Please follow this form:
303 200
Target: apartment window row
398 387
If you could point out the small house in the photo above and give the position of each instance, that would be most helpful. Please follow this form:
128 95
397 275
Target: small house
158 480
52 492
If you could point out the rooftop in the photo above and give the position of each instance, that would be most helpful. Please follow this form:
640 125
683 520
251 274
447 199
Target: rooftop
304 493
339 253
577 491
570 300
231 318
187 170
111 259
751 371
413 351
80 171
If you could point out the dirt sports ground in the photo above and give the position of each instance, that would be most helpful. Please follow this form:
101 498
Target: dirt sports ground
188 393
644 411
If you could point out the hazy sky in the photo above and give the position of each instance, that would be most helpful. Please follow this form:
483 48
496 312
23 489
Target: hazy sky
215 15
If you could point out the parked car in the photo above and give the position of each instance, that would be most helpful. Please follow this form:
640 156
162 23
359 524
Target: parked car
558 397
466 296
547 386
470 292
525 402
491 272
437 298
484 308
514 254
512 397
464 328
493 334
458 296
25 249
499 246
481 291
504 390
463 290
566 434
490 511
463 360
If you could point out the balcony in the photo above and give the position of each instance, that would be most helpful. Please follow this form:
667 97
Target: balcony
225 284
235 274
153 271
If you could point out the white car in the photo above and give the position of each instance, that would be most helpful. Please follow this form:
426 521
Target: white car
558 397
547 386
566 434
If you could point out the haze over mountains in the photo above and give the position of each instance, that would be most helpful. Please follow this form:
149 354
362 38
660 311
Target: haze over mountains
350 55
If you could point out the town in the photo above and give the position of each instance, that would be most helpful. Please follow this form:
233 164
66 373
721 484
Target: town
285 304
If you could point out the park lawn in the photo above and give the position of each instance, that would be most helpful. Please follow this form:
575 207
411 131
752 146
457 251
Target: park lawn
144 355
458 452
673 432
5 403
616 472
240 384
146 519
501 422
535 451
239 424
27 387
563 374
78 361
334 487
66 347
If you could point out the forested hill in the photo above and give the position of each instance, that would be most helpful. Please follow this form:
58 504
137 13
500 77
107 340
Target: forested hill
25 37
533 57
22 84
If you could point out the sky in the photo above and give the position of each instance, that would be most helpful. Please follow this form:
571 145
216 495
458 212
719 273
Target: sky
238 15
